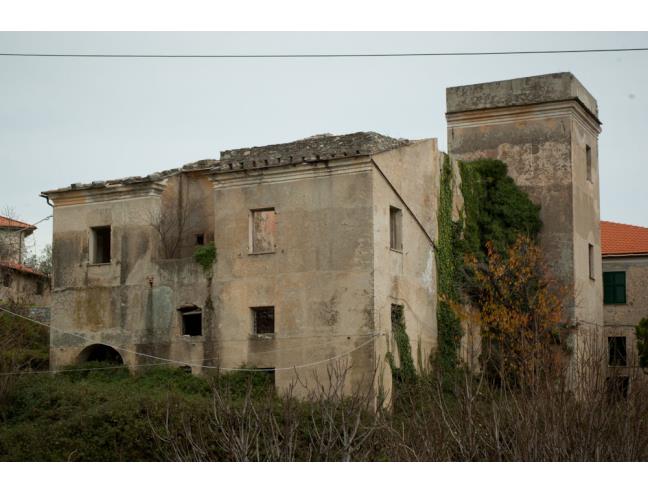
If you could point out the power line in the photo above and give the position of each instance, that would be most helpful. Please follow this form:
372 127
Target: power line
187 363
322 55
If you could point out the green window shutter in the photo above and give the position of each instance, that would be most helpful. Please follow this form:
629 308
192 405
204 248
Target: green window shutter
620 288
608 287
614 287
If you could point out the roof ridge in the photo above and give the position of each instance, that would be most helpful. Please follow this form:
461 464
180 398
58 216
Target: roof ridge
624 224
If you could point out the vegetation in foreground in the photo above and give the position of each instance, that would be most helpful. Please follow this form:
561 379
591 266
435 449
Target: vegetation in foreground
167 414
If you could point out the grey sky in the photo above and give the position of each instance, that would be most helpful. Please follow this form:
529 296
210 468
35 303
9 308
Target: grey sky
76 120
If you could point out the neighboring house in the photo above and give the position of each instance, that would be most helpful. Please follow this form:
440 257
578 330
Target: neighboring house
18 282
319 241
625 295
12 239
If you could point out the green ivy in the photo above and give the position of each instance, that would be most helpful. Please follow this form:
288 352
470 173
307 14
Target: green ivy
495 209
449 262
642 342
205 256
406 373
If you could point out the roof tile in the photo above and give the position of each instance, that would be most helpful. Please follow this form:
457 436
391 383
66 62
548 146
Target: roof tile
14 224
623 239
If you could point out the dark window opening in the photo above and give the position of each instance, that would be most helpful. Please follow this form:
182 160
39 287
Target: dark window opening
191 321
40 287
618 388
618 355
264 320
200 239
185 369
7 279
101 353
614 288
588 159
395 228
101 244
590 252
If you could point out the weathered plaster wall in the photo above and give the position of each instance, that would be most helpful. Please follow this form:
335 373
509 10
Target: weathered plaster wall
132 301
407 178
12 245
319 278
23 287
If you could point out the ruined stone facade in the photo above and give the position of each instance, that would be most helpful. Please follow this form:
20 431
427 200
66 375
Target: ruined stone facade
316 241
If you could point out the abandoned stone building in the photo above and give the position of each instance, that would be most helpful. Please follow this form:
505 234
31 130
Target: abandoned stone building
625 296
317 241
20 283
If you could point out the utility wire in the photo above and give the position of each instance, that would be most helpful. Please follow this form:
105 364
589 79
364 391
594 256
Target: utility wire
187 363
322 55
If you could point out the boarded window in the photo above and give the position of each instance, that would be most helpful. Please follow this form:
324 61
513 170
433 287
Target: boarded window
614 287
263 319
191 321
395 228
100 245
588 160
263 226
590 253
618 355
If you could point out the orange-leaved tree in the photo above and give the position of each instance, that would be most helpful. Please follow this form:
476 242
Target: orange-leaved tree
519 310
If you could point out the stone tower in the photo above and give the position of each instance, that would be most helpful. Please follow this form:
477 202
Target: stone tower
545 128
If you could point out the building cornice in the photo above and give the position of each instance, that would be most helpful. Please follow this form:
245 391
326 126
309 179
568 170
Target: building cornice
107 193
294 172
514 114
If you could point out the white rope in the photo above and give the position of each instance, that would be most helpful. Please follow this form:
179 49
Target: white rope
192 364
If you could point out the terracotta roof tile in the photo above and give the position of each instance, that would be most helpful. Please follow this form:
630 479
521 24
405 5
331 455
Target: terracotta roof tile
14 224
20 267
623 239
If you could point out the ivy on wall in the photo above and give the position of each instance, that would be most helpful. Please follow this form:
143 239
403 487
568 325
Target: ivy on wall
495 210
449 262
406 373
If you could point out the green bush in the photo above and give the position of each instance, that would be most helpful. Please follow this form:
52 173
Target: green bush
98 415
205 256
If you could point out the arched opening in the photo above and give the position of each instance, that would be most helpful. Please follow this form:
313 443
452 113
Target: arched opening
100 353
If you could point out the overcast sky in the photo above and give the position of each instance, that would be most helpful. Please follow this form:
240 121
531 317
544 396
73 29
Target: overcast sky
67 120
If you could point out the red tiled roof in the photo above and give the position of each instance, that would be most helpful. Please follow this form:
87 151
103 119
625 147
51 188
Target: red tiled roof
14 224
623 239
20 267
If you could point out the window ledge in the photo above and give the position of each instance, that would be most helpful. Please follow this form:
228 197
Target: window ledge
256 253
98 264
262 336
396 250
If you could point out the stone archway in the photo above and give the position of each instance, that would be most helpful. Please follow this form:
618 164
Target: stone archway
100 353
